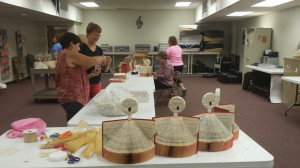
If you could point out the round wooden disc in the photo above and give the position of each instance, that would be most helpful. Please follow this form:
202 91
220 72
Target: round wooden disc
210 100
129 106
177 104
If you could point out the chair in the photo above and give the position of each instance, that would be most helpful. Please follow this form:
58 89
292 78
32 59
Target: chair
217 64
171 89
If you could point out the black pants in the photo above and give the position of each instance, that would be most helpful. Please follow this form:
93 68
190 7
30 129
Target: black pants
71 109
180 69
159 85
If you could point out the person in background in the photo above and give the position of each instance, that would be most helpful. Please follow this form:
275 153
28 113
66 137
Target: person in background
82 37
89 48
72 84
164 75
175 58
56 47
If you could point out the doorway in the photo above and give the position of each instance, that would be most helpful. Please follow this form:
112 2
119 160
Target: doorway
53 30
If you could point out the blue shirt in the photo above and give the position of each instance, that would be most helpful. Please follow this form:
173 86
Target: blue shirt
56 47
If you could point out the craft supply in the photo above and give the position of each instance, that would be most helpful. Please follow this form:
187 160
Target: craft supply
55 135
42 137
73 159
57 156
176 136
8 151
30 135
128 141
213 134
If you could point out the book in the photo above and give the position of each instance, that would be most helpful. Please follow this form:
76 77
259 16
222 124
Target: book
128 141
176 136
119 75
116 80
216 128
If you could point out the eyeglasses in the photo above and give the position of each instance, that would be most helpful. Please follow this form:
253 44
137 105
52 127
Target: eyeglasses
97 36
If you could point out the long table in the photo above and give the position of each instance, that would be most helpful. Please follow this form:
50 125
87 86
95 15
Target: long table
90 114
47 92
275 83
296 80
244 153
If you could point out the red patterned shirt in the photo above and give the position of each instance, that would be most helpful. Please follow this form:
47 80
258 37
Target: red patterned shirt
72 83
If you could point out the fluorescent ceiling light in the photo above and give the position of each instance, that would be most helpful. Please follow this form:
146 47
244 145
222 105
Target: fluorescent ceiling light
271 3
239 13
182 4
89 4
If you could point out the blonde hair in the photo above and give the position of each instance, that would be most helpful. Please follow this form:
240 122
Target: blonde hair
83 37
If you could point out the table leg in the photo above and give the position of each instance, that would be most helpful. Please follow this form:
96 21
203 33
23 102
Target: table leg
191 63
47 81
295 101
275 88
32 81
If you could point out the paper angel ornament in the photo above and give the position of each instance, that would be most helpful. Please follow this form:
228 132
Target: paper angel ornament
176 136
130 140
213 135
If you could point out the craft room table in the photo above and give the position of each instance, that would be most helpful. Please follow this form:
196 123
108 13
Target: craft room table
90 114
275 83
244 153
296 80
47 92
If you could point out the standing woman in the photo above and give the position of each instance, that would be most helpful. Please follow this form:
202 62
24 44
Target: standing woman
175 58
72 84
89 48
56 47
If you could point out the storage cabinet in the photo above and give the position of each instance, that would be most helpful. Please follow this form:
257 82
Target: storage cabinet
291 68
255 41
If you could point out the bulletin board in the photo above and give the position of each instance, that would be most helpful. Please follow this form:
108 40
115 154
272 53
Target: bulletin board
4 55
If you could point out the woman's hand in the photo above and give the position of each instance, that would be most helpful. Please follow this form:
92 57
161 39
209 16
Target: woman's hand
94 73
101 60
108 60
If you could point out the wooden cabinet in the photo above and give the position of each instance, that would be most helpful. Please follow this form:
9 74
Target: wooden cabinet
256 41
291 68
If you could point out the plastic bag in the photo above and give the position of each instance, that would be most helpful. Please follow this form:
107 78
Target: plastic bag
28 123
109 101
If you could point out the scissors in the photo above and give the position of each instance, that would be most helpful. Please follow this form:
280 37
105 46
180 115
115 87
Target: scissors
73 159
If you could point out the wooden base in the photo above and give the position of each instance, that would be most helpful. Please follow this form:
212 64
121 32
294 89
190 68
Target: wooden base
148 74
128 158
215 146
236 134
175 151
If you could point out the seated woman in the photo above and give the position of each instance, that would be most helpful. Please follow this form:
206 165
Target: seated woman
164 75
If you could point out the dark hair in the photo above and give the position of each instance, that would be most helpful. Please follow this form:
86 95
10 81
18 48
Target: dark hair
66 39
173 40
93 27
163 55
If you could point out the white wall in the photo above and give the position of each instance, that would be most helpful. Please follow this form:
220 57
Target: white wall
29 31
285 26
119 26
